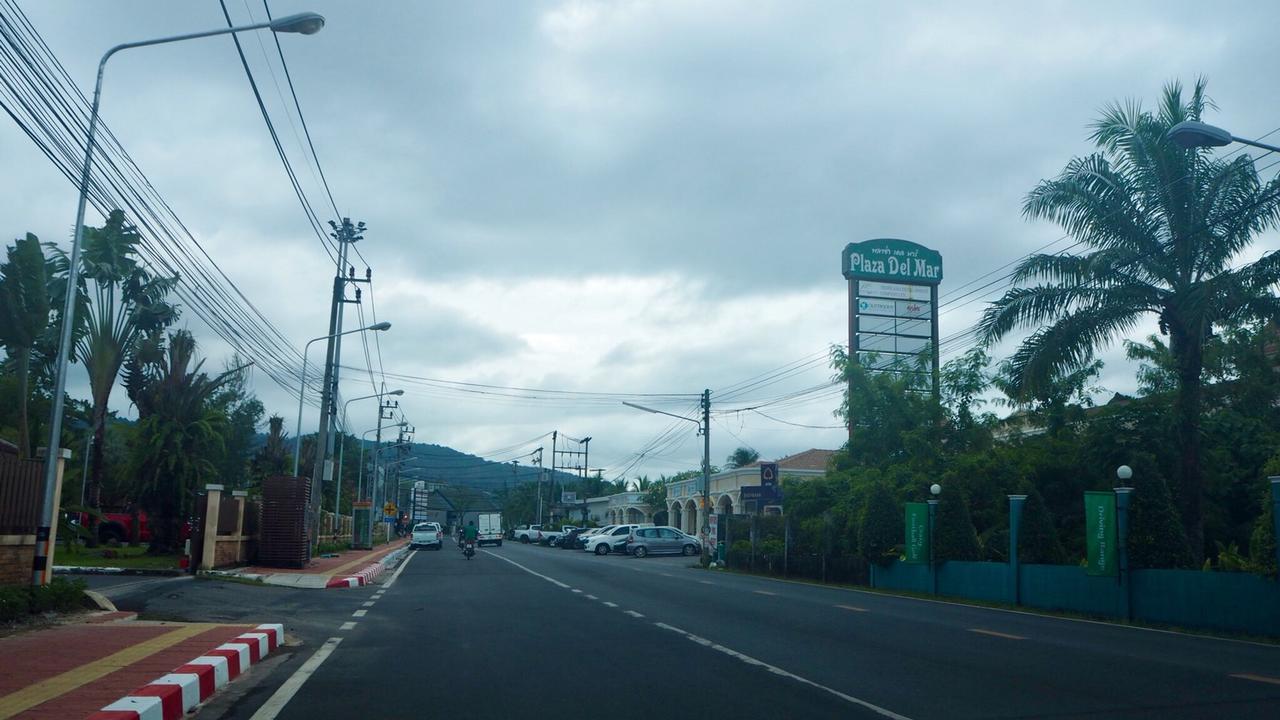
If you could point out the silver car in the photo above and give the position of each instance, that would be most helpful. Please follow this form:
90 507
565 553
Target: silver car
661 540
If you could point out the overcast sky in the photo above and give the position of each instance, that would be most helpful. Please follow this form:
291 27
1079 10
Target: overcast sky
631 197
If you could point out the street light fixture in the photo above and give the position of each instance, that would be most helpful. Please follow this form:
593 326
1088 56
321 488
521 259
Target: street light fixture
302 389
1124 472
1194 134
935 489
307 23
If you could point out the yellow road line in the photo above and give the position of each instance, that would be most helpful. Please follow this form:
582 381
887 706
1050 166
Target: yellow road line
853 608
68 681
993 633
1257 678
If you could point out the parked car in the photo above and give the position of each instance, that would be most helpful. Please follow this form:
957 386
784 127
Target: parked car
661 540
552 537
428 535
526 533
603 543
569 541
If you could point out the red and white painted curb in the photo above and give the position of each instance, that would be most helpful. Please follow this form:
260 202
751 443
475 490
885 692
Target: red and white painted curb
173 695
365 576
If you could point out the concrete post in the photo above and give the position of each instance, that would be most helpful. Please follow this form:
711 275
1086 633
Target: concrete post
1015 523
1275 513
1122 538
42 572
213 503
242 497
933 565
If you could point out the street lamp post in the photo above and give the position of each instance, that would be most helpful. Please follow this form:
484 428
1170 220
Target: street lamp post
704 429
337 493
302 388
1194 134
303 23
935 490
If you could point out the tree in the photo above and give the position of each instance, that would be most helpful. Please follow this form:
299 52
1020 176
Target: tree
1037 536
1164 226
126 303
955 538
741 457
655 497
273 457
180 431
1156 538
881 527
24 318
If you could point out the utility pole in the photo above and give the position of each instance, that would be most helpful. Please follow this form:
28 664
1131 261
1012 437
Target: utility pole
506 490
345 235
551 486
706 471
539 461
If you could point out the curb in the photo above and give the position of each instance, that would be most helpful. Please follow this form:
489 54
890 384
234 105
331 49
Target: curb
92 570
171 696
368 574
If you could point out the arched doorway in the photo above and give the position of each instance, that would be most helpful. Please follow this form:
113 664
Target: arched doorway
690 518
675 519
724 505
660 517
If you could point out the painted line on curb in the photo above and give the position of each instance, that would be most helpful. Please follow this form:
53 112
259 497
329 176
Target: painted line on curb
285 693
993 633
779 671
348 625
360 613
1257 678
854 608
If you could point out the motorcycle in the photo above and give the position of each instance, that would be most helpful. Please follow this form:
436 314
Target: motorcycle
469 549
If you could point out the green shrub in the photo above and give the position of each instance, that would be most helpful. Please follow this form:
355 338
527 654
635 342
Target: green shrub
15 602
880 530
1037 535
956 538
1262 543
1156 535
60 595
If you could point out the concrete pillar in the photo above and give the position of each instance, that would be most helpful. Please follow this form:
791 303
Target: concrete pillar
241 497
1122 539
61 457
1015 522
213 502
933 540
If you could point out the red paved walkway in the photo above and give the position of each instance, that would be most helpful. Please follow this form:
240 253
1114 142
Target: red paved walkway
72 670
349 561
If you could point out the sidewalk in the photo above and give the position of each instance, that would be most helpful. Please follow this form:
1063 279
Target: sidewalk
71 671
324 572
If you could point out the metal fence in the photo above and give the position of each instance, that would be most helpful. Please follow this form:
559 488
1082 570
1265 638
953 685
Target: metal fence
21 493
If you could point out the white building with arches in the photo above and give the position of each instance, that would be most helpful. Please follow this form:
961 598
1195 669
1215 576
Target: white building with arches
725 495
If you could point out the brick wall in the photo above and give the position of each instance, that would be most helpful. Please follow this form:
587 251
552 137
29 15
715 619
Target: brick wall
16 553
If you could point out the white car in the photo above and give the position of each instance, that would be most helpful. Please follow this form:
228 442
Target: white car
427 534
603 543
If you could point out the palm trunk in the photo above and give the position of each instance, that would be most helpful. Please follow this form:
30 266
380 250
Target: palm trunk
93 491
24 382
1187 407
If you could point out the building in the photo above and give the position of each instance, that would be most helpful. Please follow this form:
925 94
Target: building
454 505
725 495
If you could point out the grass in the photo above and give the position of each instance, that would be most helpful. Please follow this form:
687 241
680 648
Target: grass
124 557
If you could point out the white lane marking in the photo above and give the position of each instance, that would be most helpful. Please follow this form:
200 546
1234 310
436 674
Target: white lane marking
779 671
606 602
576 590
666 574
367 604
285 693
764 592
553 581
854 608
349 625
592 597
379 594
395 575
706 582
633 613
360 613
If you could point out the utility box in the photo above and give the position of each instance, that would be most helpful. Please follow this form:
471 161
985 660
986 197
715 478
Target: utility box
361 514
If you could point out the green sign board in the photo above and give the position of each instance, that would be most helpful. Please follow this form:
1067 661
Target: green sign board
917 532
1100 533
891 260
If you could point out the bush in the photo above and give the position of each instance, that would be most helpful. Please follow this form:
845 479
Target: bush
1037 536
880 529
60 595
1156 535
956 538
1262 543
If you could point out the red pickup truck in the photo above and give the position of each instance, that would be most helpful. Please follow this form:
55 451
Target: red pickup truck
118 526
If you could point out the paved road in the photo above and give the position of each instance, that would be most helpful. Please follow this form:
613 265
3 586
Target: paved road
489 638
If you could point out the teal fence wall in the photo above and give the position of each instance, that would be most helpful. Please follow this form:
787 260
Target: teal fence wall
1234 602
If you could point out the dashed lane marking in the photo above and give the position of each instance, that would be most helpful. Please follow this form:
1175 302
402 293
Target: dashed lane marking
367 604
1257 678
576 590
349 625
993 633
706 582
779 671
764 592
854 608
606 602
360 613
592 597
633 613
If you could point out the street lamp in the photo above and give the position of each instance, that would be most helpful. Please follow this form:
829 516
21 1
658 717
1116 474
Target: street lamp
935 489
705 430
1194 134
1124 472
337 493
307 23
302 389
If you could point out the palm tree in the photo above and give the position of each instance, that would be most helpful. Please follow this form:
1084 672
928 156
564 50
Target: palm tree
24 318
741 457
1163 226
180 430
127 303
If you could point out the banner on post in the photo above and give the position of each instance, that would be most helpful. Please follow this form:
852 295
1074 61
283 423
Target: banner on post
917 524
1100 533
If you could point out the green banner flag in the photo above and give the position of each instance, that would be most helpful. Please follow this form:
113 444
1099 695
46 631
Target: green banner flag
1100 532
917 532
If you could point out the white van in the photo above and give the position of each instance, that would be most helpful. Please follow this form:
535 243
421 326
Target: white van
489 529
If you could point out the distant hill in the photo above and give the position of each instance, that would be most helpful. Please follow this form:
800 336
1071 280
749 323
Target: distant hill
439 463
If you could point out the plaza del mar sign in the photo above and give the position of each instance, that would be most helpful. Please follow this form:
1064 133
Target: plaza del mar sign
892 260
